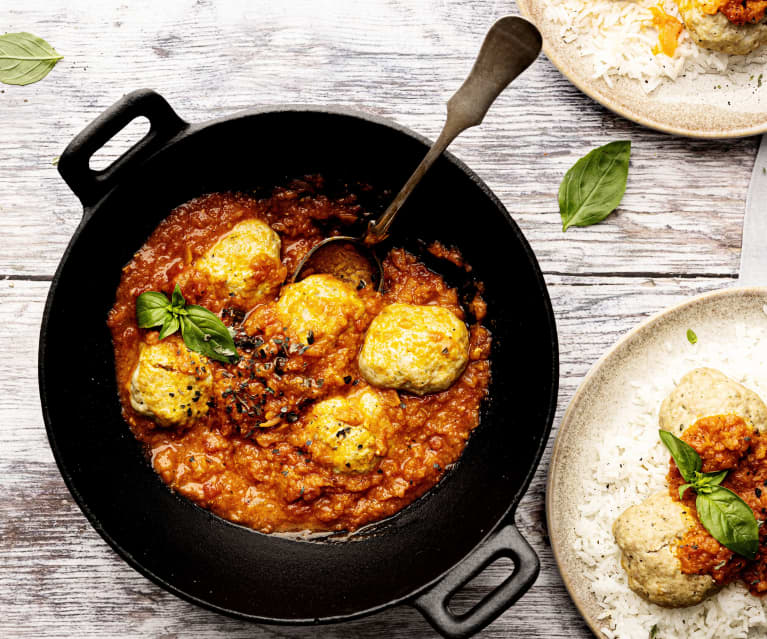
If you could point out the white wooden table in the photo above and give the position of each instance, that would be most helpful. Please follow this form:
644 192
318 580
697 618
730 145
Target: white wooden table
676 234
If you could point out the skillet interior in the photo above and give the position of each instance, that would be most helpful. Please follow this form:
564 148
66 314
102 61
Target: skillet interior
231 568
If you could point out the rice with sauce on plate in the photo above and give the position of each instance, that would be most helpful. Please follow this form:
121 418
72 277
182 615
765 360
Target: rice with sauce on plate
644 40
631 463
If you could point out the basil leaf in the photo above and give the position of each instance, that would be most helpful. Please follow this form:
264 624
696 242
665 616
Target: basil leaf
205 333
151 309
25 58
691 336
594 186
178 300
683 489
729 520
712 479
170 326
687 460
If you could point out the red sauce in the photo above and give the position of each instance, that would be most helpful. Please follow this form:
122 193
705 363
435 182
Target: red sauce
726 442
270 478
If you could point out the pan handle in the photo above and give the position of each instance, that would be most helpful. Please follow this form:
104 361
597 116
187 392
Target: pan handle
90 186
505 542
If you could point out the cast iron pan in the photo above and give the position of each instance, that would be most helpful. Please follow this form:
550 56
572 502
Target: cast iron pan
420 556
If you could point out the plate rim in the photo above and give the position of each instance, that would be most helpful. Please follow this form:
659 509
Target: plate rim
591 91
555 535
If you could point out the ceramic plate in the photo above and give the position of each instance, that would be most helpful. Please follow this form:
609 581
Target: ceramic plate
659 344
688 106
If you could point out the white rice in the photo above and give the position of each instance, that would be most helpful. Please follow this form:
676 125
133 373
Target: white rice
629 464
617 37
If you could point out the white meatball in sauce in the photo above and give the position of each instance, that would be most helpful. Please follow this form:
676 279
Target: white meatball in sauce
319 307
349 433
421 349
171 384
245 263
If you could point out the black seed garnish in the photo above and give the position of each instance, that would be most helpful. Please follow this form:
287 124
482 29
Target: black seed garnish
291 417
310 337
361 285
348 379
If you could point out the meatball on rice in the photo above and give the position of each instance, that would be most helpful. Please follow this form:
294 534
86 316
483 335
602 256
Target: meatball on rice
711 29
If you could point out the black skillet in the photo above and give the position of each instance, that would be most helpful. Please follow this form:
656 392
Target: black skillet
420 556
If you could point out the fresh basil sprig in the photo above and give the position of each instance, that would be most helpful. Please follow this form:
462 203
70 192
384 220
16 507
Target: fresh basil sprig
594 186
201 330
722 512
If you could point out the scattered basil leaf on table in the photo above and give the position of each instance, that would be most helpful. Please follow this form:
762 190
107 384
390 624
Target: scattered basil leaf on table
691 336
25 58
594 186
201 330
722 512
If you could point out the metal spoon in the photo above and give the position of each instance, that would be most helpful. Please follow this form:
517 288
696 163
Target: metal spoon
511 45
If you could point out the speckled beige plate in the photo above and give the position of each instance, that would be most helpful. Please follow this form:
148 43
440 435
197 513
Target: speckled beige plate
600 400
687 106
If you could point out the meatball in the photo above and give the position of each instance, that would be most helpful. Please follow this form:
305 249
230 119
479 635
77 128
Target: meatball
319 306
245 264
712 30
349 433
171 384
421 349
647 535
707 391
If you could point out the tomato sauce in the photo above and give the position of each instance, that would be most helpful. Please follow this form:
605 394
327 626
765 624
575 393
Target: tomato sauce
249 459
726 442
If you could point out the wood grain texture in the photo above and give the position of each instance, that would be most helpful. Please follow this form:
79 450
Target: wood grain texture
676 234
